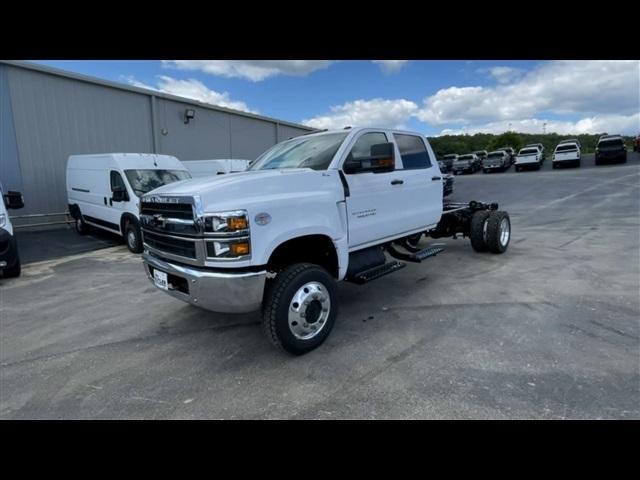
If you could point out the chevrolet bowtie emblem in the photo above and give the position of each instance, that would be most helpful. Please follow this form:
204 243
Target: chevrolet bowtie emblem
159 220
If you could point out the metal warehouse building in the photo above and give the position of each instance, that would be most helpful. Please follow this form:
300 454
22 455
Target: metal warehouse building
47 114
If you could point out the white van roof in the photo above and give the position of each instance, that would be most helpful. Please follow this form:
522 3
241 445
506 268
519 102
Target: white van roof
125 161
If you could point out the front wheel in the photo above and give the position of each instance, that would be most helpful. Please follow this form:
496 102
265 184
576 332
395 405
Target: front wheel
498 231
13 271
133 237
300 308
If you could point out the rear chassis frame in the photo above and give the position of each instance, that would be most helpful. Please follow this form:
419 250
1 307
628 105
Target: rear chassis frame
456 218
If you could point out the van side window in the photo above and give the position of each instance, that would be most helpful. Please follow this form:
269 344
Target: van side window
116 181
412 151
362 147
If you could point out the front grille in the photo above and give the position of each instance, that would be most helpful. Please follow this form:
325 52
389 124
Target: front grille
183 211
172 245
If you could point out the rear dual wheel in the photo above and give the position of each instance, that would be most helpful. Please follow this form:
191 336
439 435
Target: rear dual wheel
490 231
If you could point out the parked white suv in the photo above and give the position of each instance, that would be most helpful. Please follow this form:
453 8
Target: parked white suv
103 190
309 212
566 153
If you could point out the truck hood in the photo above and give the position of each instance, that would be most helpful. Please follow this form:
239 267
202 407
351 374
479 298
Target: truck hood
246 189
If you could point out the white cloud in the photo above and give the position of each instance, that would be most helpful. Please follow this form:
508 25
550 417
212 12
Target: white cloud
587 87
377 112
623 124
254 70
501 73
391 66
193 89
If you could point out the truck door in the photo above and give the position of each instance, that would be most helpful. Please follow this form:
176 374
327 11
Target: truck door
419 196
372 206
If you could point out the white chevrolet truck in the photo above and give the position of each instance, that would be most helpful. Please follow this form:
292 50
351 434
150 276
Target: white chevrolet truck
311 211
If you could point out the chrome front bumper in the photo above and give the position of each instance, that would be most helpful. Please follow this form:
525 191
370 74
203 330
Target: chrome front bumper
216 291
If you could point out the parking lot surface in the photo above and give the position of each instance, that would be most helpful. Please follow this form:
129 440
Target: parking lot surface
548 330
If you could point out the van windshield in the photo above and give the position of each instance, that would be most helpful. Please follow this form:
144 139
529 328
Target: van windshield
302 152
143 181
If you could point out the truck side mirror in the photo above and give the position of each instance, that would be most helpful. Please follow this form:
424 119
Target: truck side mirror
381 159
13 200
119 194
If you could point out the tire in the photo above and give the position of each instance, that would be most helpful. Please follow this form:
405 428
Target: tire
414 239
498 232
133 237
13 271
484 170
279 305
518 169
476 233
81 227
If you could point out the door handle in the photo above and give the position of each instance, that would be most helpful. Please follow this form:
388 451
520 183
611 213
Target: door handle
397 182
105 200
436 178
111 202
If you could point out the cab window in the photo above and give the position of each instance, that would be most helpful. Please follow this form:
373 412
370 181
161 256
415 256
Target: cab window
362 147
412 151
117 183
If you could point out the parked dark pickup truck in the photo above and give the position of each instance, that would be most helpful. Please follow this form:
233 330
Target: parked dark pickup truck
611 149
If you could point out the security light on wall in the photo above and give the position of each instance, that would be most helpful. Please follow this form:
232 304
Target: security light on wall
189 114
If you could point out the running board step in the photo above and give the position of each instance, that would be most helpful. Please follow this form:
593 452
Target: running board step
376 272
416 257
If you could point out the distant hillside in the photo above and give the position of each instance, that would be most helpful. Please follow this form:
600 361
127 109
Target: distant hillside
485 141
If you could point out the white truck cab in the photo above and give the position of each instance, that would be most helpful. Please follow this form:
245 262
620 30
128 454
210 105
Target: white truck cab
309 212
9 257
103 190
529 157
208 168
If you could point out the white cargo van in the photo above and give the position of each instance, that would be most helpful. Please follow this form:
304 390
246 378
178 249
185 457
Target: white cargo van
9 258
208 168
103 190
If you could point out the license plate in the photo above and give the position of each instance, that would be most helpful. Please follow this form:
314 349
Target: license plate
160 279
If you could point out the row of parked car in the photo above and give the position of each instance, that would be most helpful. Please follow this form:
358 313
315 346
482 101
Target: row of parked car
567 153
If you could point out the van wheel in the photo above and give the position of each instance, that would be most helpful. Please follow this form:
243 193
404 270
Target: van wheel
81 227
132 237
477 233
498 232
300 308
13 271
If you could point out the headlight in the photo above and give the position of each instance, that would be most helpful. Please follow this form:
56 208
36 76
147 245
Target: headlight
232 248
226 222
3 220
227 235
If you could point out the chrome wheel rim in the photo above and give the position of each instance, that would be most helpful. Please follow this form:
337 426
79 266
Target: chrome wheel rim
505 232
309 310
131 238
79 223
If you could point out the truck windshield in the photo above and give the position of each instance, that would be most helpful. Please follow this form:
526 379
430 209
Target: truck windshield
495 155
465 157
528 151
143 181
302 152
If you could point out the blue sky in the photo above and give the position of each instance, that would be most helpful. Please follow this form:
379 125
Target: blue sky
432 97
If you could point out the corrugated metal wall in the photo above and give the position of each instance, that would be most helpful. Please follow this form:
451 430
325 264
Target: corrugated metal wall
55 116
